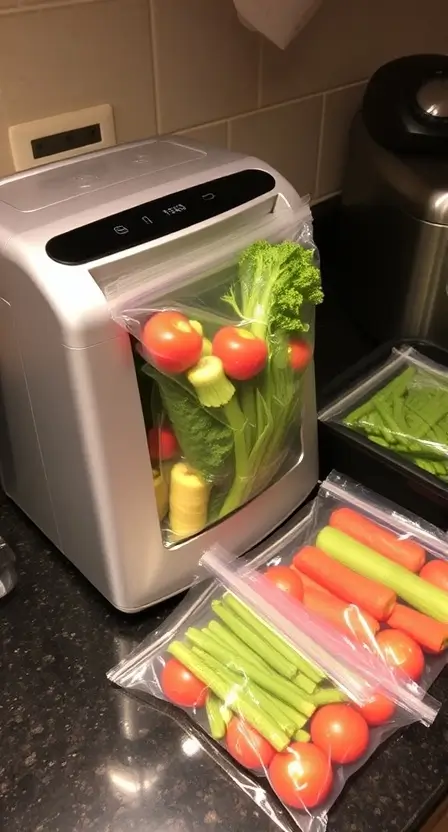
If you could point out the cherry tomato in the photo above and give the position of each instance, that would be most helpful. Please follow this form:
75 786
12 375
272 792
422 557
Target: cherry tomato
243 355
181 687
247 746
162 444
340 732
171 342
286 579
400 650
300 354
378 710
301 776
436 573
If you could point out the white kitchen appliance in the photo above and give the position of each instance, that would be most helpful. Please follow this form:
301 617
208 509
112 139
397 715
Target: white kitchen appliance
74 453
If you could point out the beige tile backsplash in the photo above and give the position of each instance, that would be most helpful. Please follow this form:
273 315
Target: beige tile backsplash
189 66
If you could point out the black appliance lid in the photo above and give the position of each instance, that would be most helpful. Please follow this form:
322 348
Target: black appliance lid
405 106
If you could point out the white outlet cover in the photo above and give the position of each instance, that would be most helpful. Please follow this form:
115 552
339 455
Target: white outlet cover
21 135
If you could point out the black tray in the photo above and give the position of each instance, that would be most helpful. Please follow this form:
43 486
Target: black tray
377 468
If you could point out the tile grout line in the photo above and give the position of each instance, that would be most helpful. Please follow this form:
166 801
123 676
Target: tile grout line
320 143
228 134
288 101
267 108
154 65
260 74
46 5
325 197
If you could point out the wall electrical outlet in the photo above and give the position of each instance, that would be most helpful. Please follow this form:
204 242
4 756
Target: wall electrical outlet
59 137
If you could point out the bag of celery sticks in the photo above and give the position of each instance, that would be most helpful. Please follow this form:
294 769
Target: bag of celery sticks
301 658
222 343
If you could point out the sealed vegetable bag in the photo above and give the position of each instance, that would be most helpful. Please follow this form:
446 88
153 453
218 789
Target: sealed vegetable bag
300 659
222 341
403 408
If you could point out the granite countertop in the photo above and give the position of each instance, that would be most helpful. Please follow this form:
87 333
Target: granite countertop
77 754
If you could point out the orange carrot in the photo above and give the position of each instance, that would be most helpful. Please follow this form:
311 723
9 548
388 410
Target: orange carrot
430 634
406 552
371 596
336 605
308 583
351 621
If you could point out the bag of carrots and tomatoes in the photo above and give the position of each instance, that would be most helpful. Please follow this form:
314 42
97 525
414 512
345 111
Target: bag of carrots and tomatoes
302 657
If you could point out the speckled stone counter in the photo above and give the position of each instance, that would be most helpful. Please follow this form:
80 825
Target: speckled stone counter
77 754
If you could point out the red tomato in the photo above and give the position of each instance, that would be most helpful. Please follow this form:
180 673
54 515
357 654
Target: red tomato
340 732
181 687
436 573
171 342
243 355
247 746
300 354
378 710
161 443
301 776
286 579
400 650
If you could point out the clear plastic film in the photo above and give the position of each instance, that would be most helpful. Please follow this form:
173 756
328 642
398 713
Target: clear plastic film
8 574
357 671
222 335
300 659
402 408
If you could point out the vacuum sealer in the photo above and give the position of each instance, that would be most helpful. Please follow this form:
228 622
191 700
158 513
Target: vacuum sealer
91 249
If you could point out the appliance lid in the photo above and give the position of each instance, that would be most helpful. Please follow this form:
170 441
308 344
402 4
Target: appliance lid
51 184
405 105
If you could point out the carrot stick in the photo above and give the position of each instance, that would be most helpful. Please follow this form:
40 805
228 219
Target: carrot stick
308 583
346 584
431 635
406 552
336 605
349 620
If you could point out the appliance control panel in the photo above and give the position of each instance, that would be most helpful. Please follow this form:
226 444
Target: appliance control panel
158 218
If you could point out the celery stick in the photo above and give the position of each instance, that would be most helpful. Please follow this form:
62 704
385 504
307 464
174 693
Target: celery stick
269 681
294 716
254 640
225 636
225 712
273 640
302 736
215 720
250 689
328 696
305 684
238 702
290 713
418 593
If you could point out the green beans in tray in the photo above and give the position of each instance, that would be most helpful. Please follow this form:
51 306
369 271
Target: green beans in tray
409 416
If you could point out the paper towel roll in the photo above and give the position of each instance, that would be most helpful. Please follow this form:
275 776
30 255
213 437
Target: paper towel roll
278 20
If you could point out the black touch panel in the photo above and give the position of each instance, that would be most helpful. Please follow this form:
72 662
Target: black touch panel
158 218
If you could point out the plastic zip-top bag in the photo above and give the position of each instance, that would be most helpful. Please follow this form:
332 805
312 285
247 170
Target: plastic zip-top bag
222 339
402 408
301 658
